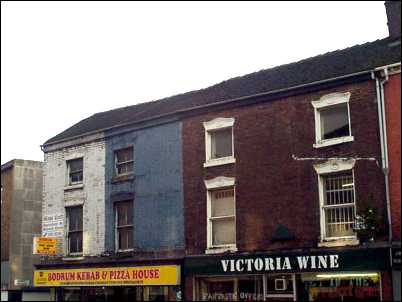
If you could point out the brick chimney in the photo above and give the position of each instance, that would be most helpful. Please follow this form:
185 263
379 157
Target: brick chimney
393 9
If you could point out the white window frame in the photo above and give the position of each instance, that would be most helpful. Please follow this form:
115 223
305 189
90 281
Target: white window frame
116 232
324 169
217 124
219 183
126 162
328 101
75 183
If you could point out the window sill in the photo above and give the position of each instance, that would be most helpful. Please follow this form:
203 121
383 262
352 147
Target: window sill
73 257
221 249
334 141
74 187
219 161
124 251
123 177
339 242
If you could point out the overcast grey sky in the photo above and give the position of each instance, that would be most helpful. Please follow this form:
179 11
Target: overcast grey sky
64 61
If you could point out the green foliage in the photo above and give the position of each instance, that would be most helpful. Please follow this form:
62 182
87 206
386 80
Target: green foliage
370 219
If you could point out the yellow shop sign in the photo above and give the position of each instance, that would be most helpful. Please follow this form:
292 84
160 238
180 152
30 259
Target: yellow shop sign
44 246
111 276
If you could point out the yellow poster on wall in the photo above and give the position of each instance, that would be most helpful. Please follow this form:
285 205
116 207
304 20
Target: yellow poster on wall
111 276
44 246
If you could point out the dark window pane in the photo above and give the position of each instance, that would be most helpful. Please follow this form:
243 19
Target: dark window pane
221 143
124 155
76 177
75 170
129 213
124 161
75 218
124 213
125 238
335 122
75 165
124 168
75 242
124 228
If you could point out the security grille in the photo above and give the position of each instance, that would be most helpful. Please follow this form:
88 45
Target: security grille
339 205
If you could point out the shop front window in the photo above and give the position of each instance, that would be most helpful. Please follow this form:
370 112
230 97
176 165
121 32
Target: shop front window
122 293
280 287
348 286
230 289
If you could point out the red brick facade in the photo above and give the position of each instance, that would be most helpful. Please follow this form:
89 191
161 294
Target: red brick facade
271 187
393 119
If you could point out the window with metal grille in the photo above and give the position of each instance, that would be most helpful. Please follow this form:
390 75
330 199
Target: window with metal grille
124 225
124 161
222 217
75 171
74 220
339 205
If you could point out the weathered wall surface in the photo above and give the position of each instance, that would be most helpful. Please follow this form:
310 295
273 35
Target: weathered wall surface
57 197
156 187
6 197
271 187
393 120
25 218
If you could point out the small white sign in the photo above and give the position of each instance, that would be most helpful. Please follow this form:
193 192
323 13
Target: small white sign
53 225
18 282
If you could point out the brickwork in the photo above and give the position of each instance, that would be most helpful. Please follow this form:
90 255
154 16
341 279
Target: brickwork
386 285
393 120
271 187
92 195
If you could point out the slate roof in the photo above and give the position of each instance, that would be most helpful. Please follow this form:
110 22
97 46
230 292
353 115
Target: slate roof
329 65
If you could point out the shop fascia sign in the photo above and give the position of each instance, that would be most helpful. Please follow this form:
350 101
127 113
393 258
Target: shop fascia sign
279 264
111 276
349 260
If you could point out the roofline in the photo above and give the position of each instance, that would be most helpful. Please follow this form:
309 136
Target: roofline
7 165
17 162
181 111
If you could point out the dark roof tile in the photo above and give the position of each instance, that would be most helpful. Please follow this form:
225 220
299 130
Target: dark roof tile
329 65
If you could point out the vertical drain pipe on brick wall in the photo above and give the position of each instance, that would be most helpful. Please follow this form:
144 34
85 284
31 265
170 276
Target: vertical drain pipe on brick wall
383 138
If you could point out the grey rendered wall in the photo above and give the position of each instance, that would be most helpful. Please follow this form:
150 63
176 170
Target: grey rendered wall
26 217
156 186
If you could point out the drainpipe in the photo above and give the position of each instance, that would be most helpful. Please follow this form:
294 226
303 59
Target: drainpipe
383 139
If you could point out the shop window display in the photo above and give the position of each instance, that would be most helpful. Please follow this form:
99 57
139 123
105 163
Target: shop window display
280 287
122 293
348 286
230 289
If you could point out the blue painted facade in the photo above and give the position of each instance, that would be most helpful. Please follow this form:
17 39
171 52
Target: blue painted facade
156 187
